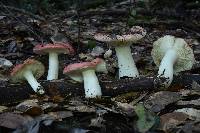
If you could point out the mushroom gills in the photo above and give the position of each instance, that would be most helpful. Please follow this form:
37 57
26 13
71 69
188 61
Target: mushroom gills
126 63
91 84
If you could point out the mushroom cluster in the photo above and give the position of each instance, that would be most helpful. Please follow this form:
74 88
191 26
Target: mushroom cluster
169 53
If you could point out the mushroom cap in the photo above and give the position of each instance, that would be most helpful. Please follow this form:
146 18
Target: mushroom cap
36 67
136 33
74 70
185 54
57 48
78 67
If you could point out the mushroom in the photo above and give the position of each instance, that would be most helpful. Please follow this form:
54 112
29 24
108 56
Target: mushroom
85 71
172 55
100 66
30 70
53 50
122 44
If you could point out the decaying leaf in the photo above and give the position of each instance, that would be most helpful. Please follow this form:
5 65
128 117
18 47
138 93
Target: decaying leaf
11 120
78 106
30 107
126 108
195 86
195 102
192 112
157 101
48 105
61 114
97 122
191 127
34 125
172 121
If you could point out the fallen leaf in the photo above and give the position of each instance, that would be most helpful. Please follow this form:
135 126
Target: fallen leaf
172 120
97 122
195 102
61 114
30 107
34 125
195 86
126 108
146 120
157 101
11 120
193 113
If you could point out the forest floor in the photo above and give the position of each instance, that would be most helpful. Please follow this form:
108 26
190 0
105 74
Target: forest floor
127 105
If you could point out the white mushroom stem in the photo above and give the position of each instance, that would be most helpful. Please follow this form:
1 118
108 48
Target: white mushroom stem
91 84
166 67
31 80
53 66
126 63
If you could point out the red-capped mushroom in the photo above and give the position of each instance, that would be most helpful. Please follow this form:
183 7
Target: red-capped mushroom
54 50
30 70
85 71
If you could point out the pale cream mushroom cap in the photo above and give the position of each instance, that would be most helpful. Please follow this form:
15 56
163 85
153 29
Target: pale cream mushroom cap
185 54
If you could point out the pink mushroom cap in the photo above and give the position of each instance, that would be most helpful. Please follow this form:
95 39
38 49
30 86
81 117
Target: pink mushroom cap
35 66
77 67
57 48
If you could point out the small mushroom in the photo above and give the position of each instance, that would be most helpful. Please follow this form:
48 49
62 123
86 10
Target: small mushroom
85 71
171 55
122 44
100 65
30 70
54 50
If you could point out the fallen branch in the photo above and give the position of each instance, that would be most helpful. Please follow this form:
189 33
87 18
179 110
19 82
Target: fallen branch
10 93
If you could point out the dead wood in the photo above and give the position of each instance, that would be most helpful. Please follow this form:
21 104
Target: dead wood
11 93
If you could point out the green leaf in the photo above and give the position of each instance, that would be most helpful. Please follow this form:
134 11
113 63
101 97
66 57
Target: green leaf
146 120
91 44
